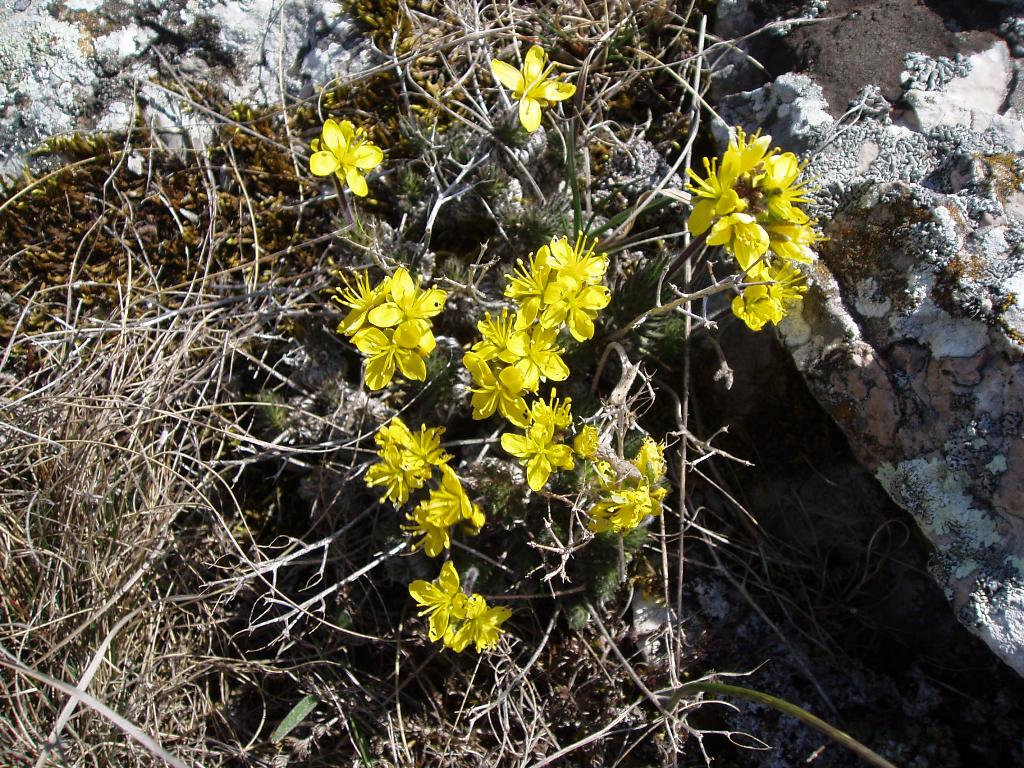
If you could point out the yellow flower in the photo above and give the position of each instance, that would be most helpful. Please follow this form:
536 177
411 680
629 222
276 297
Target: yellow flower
540 453
423 447
527 285
718 198
449 503
742 236
344 151
586 442
360 298
442 600
406 305
742 155
750 205
793 241
576 266
762 304
434 534
502 392
650 460
480 626
499 338
405 346
576 308
531 85
623 509
539 357
557 413
397 474
390 324
779 184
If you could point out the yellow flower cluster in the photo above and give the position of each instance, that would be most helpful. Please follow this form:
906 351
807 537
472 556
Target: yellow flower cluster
750 206
390 324
344 150
626 500
407 460
561 287
458 619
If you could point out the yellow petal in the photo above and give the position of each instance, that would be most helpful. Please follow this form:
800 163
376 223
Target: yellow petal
379 371
385 316
348 132
332 134
529 113
403 289
580 325
356 182
507 75
438 625
423 592
323 163
515 411
409 334
700 217
538 470
594 297
478 369
412 365
431 301
449 578
371 341
367 156
533 66
553 90
515 445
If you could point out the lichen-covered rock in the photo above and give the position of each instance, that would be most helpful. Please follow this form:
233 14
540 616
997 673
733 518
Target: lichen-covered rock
913 335
80 65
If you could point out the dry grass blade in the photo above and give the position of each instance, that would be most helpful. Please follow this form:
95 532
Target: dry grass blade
79 696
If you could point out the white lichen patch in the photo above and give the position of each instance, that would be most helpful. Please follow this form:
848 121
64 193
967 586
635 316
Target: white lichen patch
46 76
998 613
870 301
997 466
937 497
947 336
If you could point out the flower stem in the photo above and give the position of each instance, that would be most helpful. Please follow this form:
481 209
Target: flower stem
786 708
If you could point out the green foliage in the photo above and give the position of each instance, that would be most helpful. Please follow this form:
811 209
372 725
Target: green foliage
539 223
294 718
636 293
498 488
271 416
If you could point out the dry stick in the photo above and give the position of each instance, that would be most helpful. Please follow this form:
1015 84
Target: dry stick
130 729
625 662
600 733
664 309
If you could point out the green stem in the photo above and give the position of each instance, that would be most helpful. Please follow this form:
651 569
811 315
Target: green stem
786 708
574 183
622 216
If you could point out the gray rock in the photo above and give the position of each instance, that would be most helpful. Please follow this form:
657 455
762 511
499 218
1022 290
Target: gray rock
83 65
913 334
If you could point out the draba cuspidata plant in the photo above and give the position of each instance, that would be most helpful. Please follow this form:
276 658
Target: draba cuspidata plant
749 204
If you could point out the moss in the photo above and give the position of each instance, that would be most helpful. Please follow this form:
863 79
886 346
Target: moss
162 224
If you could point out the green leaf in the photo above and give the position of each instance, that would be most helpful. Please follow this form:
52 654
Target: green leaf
306 705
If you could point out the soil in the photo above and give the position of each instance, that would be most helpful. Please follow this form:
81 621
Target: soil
861 42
